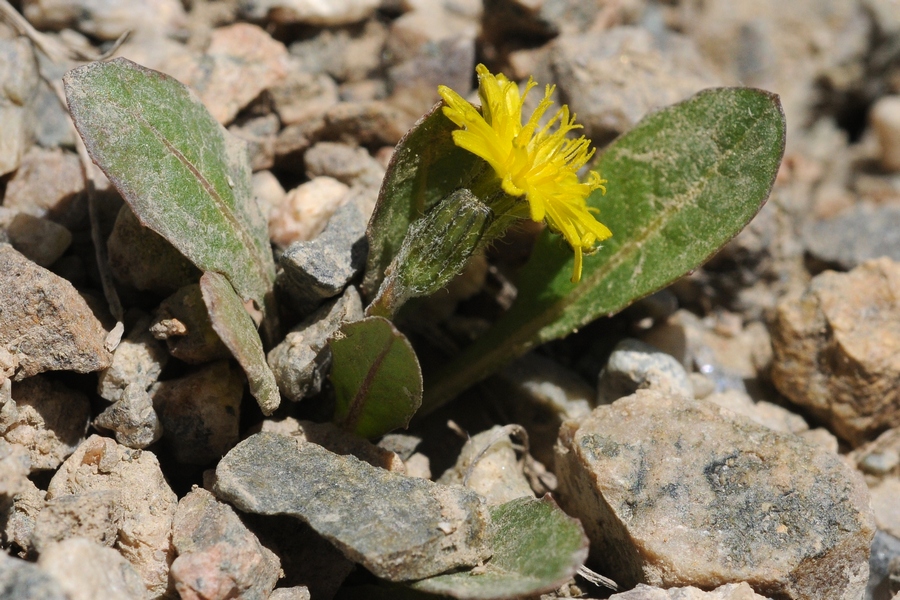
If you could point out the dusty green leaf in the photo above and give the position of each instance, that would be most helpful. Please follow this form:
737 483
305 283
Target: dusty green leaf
237 331
537 548
682 183
426 167
376 377
182 173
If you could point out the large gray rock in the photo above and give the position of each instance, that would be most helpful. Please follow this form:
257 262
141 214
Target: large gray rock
837 349
45 324
400 528
676 492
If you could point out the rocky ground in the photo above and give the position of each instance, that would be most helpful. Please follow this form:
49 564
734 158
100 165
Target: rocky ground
737 432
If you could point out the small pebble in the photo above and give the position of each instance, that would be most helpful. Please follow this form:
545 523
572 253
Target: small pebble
885 118
634 365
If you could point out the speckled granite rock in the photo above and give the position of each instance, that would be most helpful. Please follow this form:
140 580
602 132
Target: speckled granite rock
676 492
218 557
398 527
837 349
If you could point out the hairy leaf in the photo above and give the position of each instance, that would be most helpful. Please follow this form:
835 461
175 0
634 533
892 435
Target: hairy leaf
682 183
182 173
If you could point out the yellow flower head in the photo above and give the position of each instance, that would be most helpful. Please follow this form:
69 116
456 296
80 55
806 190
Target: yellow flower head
534 162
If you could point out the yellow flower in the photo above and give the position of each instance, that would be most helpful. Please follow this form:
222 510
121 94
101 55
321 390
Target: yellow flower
534 162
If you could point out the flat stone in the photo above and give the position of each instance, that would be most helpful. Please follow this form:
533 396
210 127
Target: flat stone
301 361
372 124
86 570
880 457
322 268
729 591
137 360
634 365
200 412
183 322
399 528
144 260
843 368
240 62
310 12
302 95
676 492
305 211
59 198
351 165
137 490
218 557
19 84
22 580
46 418
488 465
300 592
348 55
853 236
109 19
40 240
45 323
132 418
612 80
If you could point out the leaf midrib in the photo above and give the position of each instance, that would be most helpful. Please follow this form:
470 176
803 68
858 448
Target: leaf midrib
244 236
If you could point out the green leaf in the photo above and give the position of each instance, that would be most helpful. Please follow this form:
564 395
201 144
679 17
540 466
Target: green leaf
237 331
182 173
682 183
425 168
376 376
537 548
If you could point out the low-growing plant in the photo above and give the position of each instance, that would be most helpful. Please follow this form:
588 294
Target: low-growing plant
657 203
